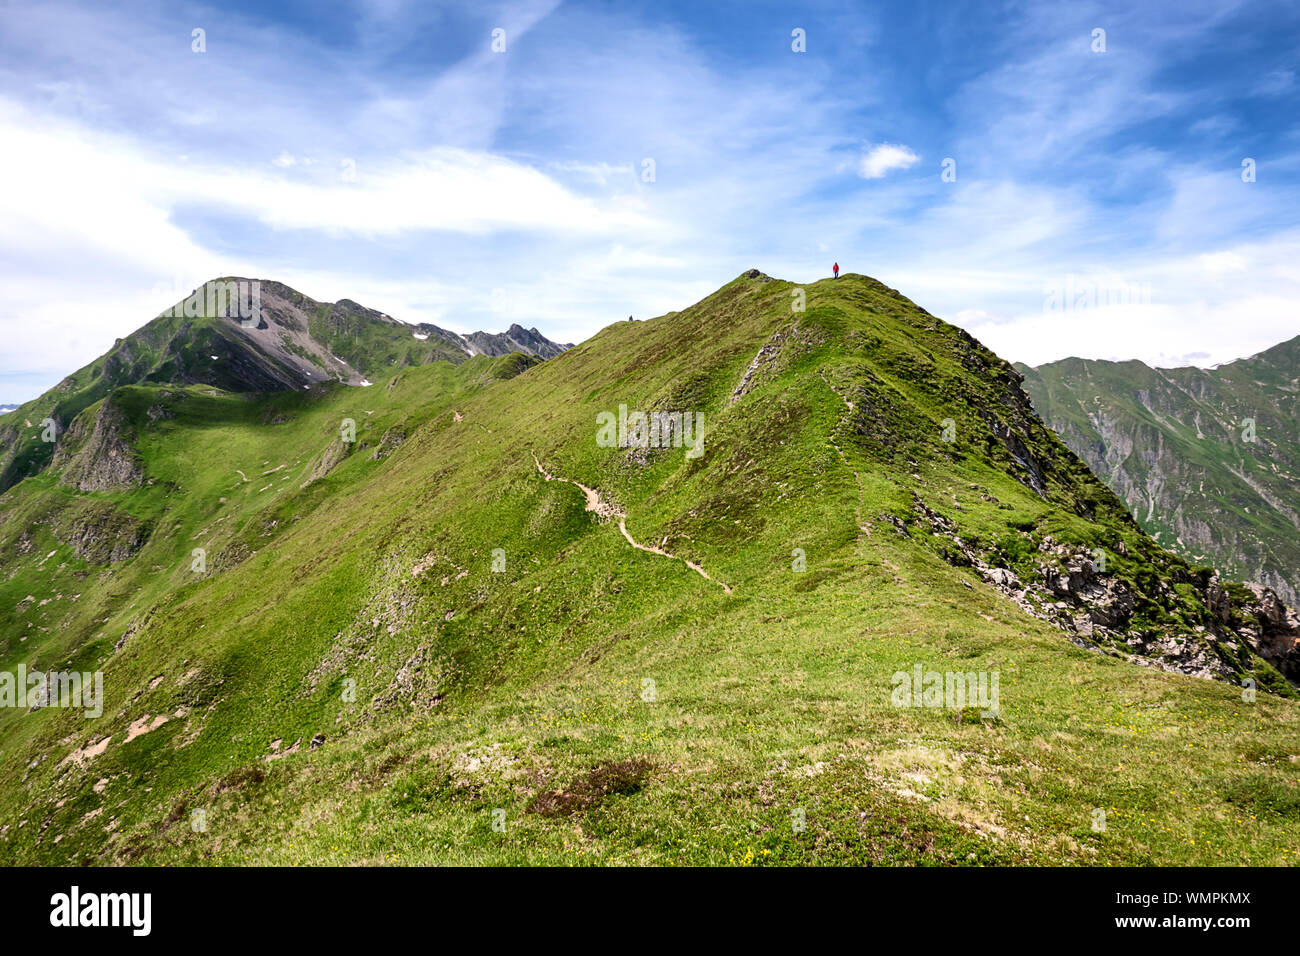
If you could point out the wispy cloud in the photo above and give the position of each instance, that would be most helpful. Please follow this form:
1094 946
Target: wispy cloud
884 159
616 160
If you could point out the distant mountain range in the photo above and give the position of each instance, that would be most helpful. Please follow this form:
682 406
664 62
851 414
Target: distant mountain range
1207 459
213 338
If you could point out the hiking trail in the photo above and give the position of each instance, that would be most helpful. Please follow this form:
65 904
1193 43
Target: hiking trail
605 510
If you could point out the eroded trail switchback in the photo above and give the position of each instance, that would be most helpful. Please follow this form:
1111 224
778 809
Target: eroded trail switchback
605 510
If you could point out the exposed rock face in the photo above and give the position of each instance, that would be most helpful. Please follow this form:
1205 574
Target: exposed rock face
1185 654
10 465
1107 601
1274 632
334 453
1208 460
101 534
514 339
105 460
1097 610
1031 470
766 355
393 437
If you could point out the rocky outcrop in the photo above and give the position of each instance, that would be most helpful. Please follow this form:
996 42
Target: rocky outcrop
99 533
1030 472
514 339
392 438
103 460
1107 601
766 355
1099 610
334 453
1272 630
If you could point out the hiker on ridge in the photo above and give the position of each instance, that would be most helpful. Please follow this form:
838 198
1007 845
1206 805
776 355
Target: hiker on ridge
836 270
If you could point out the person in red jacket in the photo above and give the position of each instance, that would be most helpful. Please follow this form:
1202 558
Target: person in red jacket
836 269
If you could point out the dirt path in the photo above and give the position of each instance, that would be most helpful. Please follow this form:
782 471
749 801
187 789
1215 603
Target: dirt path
605 510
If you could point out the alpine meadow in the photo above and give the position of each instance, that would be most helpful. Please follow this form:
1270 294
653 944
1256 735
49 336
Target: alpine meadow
443 440
365 624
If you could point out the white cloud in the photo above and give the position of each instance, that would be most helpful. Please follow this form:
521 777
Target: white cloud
95 178
521 172
1161 335
600 173
1203 309
1217 263
884 159
105 245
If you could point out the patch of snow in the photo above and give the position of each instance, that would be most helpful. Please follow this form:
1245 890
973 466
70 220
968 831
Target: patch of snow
419 336
214 358
365 382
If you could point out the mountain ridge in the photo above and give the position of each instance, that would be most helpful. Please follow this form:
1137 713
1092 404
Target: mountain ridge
365 625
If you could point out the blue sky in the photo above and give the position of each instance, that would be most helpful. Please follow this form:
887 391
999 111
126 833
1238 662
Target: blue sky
384 152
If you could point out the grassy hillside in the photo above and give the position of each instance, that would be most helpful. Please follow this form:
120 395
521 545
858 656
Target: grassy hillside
439 655
1206 458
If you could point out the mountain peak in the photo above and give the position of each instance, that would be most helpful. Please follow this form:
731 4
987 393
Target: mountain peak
865 492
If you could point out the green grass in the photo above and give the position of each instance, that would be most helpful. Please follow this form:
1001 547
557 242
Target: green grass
363 607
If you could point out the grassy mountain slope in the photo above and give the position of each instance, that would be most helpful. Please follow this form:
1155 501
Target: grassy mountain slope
350 680
1174 444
